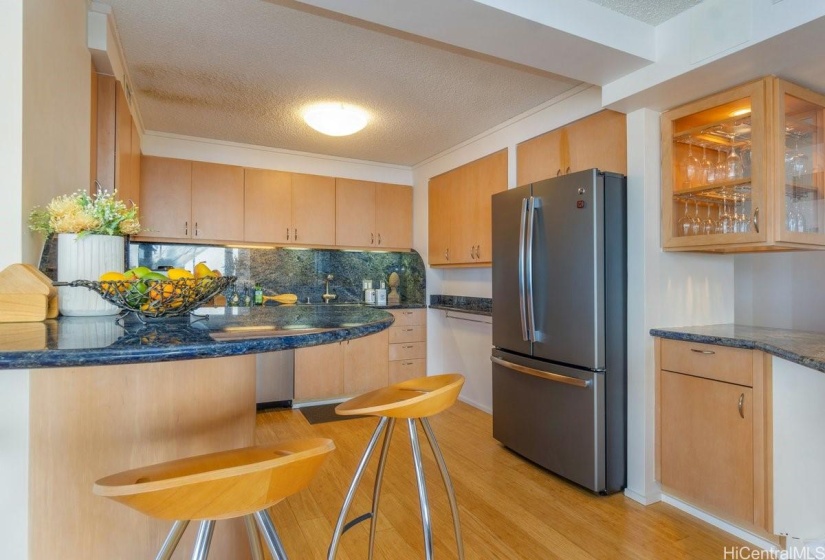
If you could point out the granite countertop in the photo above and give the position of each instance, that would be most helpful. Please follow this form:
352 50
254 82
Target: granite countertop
463 304
93 341
801 347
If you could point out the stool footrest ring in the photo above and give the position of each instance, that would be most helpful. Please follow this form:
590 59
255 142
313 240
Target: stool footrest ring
356 521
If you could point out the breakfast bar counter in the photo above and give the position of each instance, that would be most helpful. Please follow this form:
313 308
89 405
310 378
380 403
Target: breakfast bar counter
107 396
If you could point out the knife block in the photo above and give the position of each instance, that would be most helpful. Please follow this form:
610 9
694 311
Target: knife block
26 295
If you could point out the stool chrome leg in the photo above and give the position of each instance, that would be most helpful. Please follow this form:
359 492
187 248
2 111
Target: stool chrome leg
172 540
203 539
422 490
379 476
270 535
359 472
252 533
448 484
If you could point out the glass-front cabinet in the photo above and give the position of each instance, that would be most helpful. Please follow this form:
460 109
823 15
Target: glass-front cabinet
743 170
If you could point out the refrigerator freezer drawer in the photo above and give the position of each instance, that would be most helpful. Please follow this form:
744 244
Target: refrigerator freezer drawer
553 416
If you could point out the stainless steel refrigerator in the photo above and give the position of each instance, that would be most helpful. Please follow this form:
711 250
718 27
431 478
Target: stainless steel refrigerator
559 341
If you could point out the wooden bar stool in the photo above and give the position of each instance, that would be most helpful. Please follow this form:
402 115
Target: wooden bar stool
414 399
224 485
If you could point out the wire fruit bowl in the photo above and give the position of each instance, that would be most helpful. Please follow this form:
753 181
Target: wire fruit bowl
156 299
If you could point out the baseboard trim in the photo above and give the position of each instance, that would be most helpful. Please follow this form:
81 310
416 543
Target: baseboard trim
641 498
719 523
474 404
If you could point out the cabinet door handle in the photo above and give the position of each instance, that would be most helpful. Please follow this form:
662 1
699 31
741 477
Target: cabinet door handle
558 172
296 234
478 251
372 239
287 234
756 219
186 228
567 171
447 254
196 229
741 405
379 239
705 352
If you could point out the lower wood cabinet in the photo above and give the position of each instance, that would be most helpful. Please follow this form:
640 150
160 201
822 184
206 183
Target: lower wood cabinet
349 368
408 345
341 369
713 430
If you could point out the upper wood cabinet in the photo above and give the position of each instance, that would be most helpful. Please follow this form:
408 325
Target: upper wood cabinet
599 141
372 215
289 208
743 170
180 199
460 222
117 154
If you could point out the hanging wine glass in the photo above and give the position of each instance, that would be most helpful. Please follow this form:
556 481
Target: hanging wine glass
696 226
708 225
684 226
721 169
725 219
800 164
691 167
706 168
735 169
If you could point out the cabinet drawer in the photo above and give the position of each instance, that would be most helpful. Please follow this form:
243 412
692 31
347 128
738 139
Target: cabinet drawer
412 333
722 363
402 370
409 317
408 351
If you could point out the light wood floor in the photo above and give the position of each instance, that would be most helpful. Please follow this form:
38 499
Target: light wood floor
509 507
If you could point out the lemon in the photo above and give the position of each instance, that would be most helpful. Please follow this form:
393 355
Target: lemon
178 273
202 271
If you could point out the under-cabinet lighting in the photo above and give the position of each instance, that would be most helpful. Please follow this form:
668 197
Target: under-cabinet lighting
740 112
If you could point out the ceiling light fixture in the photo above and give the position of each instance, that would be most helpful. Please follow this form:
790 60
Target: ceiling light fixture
336 119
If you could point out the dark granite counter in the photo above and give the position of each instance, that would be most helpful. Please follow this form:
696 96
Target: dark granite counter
94 341
463 304
801 347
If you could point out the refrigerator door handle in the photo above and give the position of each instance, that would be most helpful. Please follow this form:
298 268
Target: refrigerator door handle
528 273
548 375
525 333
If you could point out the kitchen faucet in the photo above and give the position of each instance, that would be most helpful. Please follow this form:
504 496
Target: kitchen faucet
328 296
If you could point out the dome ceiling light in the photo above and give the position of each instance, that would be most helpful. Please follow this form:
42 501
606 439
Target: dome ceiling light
336 119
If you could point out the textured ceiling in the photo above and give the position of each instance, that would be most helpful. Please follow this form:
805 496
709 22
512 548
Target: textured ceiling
652 12
241 71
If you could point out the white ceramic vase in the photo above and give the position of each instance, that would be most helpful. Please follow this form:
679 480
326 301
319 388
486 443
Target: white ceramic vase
86 258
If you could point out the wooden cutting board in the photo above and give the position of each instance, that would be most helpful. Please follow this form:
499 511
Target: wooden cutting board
26 295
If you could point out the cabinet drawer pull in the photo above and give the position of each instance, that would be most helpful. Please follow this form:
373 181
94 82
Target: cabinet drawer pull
407 312
705 352
408 346
407 363
741 405
408 330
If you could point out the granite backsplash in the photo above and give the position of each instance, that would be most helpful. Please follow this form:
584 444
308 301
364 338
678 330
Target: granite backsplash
294 271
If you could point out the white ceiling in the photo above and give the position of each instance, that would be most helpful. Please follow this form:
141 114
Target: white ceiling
241 71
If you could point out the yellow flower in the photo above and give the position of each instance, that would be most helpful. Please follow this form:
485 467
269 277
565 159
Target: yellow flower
129 227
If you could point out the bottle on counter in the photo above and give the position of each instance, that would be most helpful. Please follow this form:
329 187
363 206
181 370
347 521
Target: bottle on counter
234 299
381 294
369 292
259 295
247 297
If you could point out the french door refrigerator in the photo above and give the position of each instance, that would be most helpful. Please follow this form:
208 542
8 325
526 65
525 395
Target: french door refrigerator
559 341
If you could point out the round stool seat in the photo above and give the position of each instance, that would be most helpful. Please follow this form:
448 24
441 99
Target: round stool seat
219 485
414 398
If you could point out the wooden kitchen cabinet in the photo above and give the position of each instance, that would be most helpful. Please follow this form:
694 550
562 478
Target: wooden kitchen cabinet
742 170
408 345
288 208
599 141
217 202
166 198
181 199
460 222
713 430
341 369
117 154
372 215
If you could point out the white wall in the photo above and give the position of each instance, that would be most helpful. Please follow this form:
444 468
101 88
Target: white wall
666 290
14 434
782 290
